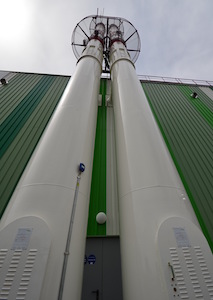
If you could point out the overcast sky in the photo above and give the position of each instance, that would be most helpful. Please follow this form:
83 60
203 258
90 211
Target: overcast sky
176 35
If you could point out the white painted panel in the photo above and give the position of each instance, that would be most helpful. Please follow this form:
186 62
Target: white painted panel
186 260
24 250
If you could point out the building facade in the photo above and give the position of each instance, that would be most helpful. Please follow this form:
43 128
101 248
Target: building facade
183 112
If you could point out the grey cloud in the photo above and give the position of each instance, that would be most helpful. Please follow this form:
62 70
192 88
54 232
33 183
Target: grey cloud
176 36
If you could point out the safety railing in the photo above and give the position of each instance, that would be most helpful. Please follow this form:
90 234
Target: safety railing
163 79
149 78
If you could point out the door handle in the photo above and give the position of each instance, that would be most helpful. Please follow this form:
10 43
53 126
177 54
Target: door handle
97 294
172 270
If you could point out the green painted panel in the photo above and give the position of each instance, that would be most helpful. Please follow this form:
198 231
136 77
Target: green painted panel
14 122
13 93
188 136
200 103
98 184
19 151
203 97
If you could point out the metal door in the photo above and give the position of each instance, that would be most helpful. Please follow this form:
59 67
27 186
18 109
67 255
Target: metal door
102 269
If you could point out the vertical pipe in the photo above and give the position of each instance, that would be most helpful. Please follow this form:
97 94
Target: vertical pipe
69 236
47 186
149 187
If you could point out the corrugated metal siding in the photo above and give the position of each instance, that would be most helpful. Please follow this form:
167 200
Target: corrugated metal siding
98 184
26 105
14 92
202 103
207 91
205 98
188 133
6 75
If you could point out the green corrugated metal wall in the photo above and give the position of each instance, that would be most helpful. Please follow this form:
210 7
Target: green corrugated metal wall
187 127
98 185
26 105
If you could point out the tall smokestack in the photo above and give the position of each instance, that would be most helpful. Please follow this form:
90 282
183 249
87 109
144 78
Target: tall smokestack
44 226
161 242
